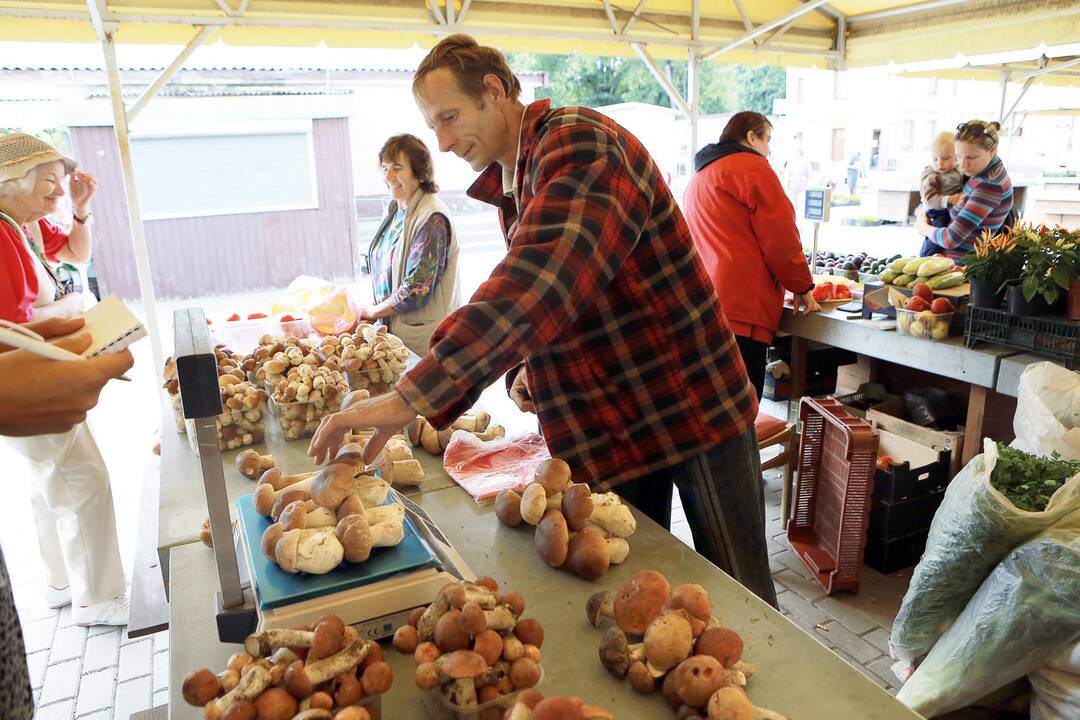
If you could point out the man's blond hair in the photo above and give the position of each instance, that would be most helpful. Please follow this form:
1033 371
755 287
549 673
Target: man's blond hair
469 62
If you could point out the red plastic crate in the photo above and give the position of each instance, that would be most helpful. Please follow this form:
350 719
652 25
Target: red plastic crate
827 530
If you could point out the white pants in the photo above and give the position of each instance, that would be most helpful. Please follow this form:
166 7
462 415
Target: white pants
73 509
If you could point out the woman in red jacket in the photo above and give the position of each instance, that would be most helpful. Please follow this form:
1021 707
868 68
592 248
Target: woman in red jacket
744 229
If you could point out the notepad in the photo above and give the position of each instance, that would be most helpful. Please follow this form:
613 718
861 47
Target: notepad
112 327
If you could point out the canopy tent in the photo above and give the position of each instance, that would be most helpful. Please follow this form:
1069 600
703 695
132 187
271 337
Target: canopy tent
829 33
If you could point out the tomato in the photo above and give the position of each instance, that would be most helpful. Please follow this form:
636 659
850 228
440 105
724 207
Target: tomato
941 305
287 318
884 461
842 291
256 316
923 290
232 318
824 291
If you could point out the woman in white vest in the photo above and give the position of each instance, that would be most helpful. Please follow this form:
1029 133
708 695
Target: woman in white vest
414 253
70 492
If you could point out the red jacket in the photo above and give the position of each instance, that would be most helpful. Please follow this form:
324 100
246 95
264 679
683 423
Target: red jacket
744 229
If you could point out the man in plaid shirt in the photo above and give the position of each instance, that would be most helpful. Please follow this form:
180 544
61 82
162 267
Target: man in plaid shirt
601 311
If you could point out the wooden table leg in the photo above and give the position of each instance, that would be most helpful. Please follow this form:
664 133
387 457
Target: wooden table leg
973 426
799 347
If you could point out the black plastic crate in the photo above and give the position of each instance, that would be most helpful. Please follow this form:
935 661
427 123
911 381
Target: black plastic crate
904 482
895 520
1055 336
888 556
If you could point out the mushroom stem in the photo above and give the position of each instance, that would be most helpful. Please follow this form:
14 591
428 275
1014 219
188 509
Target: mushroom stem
279 480
263 643
439 606
403 472
253 682
265 495
761 713
493 432
600 605
463 692
300 679
474 421
313 714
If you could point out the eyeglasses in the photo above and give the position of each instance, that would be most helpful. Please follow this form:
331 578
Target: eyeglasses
974 126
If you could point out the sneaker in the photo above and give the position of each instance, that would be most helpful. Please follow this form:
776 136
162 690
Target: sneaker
110 612
57 597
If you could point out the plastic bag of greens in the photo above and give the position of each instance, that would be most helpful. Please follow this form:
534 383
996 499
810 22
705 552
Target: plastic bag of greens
1056 686
974 528
1026 614
1047 418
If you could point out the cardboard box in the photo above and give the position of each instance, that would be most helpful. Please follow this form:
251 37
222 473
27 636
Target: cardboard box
892 416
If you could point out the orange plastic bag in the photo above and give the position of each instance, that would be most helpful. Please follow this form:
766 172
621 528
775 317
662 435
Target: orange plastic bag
483 468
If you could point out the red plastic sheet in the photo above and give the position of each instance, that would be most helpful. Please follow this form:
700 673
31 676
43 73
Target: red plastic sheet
484 468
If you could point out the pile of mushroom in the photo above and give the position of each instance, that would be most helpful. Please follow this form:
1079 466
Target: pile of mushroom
384 365
326 517
423 434
585 532
531 705
241 422
322 672
396 463
305 395
667 637
275 355
472 645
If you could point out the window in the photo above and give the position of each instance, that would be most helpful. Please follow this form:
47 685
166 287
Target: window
185 175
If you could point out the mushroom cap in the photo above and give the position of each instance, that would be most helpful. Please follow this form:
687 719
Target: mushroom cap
670 691
427 675
462 664
722 643
270 538
530 632
297 682
668 641
640 601
355 535
270 476
533 503
524 673
294 516
240 710
285 550
697 678
587 555
730 703
508 507
615 651
285 499
200 687
473 619
247 462
640 677
377 678
596 712
263 498
577 505
558 708
694 599
275 704
552 538
489 644
554 475
594 606
351 505
333 484
449 634
406 639
326 641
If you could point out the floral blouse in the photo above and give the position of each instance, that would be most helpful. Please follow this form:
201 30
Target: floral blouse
424 266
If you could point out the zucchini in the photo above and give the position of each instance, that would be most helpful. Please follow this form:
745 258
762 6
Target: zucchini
934 266
944 281
913 265
903 280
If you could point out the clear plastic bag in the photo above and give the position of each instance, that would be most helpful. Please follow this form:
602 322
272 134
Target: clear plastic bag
483 468
1056 686
1024 615
975 527
1047 415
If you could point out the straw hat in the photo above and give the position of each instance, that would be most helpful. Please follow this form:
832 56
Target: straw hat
20 153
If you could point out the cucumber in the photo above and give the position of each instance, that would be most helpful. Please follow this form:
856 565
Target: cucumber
899 263
934 266
913 266
945 281
889 275
903 280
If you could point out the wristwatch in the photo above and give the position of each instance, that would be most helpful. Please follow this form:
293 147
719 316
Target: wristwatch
81 220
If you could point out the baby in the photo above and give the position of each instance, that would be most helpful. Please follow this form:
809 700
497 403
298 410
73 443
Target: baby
940 179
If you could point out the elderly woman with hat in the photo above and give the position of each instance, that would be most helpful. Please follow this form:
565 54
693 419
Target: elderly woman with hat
70 492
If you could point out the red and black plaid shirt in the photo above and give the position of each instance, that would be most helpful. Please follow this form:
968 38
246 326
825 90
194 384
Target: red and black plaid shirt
631 362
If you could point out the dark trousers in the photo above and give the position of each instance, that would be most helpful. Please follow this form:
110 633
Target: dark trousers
754 355
724 502
935 218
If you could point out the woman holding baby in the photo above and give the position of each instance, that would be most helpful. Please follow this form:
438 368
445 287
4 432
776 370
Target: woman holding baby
983 202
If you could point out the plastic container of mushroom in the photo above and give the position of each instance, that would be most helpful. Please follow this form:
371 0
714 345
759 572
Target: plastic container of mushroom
439 706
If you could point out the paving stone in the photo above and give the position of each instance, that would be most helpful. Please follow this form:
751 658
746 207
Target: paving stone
882 668
839 636
161 671
61 682
102 651
38 635
132 697
106 714
68 643
802 610
135 660
879 638
30 602
774 547
793 563
65 619
56 711
95 692
808 589
161 697
853 618
161 641
95 630
36 664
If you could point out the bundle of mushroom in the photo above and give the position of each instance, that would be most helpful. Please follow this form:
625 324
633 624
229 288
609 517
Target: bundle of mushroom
381 358
241 422
531 705
678 645
423 434
576 528
396 463
305 395
276 354
322 672
472 645
321 519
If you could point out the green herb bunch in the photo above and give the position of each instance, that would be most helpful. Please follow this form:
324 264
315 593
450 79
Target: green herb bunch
1028 481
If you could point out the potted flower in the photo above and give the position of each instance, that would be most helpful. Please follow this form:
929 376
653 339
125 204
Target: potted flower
995 260
1050 265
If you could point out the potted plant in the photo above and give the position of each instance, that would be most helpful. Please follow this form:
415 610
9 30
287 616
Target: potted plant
995 260
1050 265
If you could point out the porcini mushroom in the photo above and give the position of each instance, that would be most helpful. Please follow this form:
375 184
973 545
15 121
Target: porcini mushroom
270 537
449 634
358 536
697 678
402 472
601 604
558 708
692 599
265 495
533 503
508 507
587 555
722 643
615 653
301 679
275 704
249 687
577 506
262 644
200 687
460 668
612 515
251 464
640 601
640 678
276 478
668 641
316 551
552 538
553 475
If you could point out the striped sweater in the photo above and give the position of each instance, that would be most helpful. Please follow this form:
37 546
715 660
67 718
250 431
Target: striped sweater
988 202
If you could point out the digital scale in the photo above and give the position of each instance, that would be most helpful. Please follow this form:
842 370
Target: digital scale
375 596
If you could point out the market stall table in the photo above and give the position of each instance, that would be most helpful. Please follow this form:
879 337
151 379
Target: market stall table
797 675
977 367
